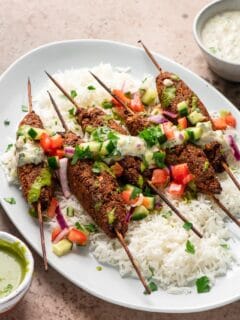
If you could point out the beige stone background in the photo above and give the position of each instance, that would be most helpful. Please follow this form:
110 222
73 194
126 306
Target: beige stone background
166 26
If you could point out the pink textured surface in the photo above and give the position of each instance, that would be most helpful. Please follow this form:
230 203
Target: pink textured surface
166 27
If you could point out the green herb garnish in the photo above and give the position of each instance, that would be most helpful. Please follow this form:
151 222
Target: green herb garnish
159 158
167 214
111 216
153 136
6 122
32 133
225 246
10 200
107 104
190 247
135 193
91 228
187 225
80 154
91 88
73 93
99 268
152 286
203 284
72 112
9 147
24 108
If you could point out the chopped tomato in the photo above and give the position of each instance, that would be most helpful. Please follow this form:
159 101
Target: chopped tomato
45 142
182 122
126 195
56 231
160 177
146 202
180 172
77 236
136 103
56 141
52 208
60 153
176 189
167 128
117 169
188 178
230 120
220 123
121 96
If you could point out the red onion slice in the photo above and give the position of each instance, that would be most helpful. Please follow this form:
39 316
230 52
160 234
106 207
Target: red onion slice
170 114
157 119
234 146
60 219
61 235
63 177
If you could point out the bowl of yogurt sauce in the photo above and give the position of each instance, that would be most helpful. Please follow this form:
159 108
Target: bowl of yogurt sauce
216 29
16 270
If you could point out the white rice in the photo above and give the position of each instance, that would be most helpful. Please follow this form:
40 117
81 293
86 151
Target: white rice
157 242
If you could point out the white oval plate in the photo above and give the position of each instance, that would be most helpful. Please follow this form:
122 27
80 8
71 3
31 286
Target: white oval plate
79 267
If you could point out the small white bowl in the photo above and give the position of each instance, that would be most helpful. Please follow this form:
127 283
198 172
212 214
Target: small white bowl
8 302
225 69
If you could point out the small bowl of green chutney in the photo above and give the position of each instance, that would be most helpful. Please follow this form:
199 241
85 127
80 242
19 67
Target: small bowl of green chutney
16 270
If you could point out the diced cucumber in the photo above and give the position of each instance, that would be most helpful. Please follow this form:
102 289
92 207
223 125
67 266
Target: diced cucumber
35 133
149 203
140 181
195 117
149 96
148 158
93 146
182 108
62 247
70 211
129 187
53 162
139 213
194 134
142 166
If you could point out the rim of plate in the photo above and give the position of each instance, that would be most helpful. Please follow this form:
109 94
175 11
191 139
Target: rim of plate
133 306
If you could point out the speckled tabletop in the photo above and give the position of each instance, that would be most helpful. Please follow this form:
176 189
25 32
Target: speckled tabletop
166 26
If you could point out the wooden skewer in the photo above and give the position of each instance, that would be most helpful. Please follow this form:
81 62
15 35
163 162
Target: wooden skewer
58 112
150 56
118 234
171 206
111 93
231 216
40 220
231 175
39 209
140 276
67 95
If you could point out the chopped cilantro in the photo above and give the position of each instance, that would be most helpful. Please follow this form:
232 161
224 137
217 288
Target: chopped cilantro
190 247
111 146
225 245
187 225
80 154
10 200
100 134
152 286
73 93
9 147
135 193
99 268
96 168
147 192
91 88
24 108
151 269
72 112
152 135
159 158
107 104
203 284
32 133
167 214
91 228
6 122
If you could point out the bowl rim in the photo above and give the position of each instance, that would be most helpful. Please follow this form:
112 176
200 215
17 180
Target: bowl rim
28 276
198 38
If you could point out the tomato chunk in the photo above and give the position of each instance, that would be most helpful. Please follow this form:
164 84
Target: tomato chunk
77 236
56 231
160 177
230 120
121 96
179 172
126 195
188 178
52 208
45 142
56 141
220 123
176 189
167 128
60 153
136 103
182 122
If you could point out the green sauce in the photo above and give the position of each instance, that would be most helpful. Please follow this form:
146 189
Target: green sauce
44 179
13 267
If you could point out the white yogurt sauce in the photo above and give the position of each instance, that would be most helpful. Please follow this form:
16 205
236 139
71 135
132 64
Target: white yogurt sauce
28 152
221 36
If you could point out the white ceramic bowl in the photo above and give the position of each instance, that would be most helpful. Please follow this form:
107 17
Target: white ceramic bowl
15 296
225 69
